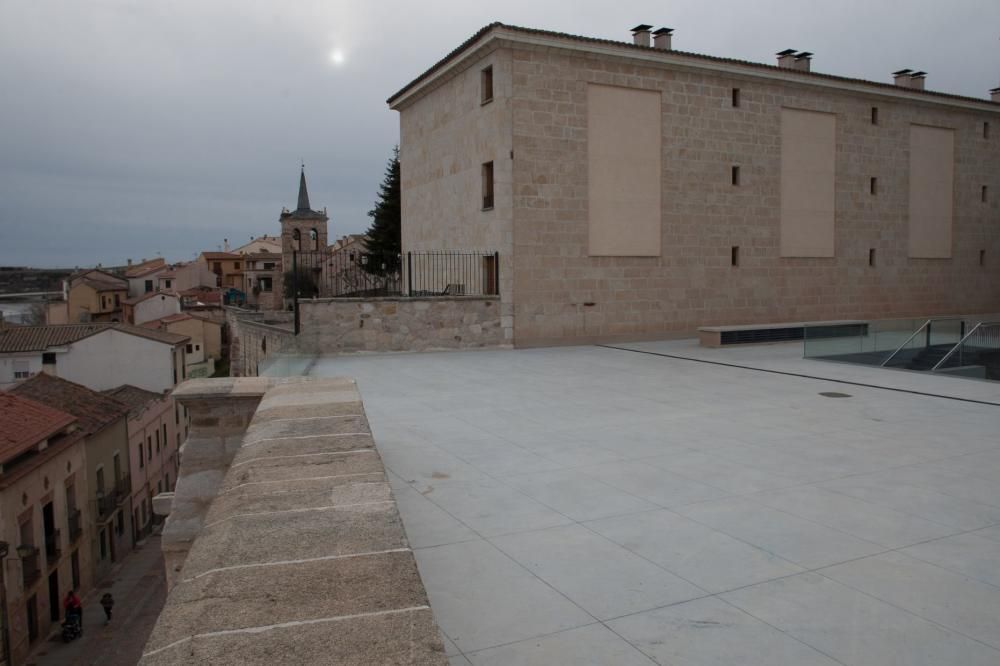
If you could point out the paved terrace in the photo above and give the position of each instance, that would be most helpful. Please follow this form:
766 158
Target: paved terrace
599 506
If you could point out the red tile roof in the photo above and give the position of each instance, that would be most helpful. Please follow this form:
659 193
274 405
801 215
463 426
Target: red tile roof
145 268
137 399
26 423
648 49
95 411
222 256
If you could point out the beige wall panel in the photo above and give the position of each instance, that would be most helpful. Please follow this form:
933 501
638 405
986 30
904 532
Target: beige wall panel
932 178
624 171
808 179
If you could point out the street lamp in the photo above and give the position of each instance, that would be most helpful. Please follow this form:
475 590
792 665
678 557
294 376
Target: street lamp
4 550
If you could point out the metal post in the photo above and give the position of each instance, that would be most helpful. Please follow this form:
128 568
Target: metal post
409 273
295 288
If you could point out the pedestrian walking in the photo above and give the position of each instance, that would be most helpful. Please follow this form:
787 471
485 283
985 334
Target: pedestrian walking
107 603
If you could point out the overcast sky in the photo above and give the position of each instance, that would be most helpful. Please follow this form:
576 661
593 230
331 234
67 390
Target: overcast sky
139 128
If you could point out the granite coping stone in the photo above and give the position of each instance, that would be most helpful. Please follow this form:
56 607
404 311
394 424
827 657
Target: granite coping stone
405 638
302 557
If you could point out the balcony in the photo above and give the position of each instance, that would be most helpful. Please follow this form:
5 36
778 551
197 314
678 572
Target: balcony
52 551
123 488
108 502
29 565
74 525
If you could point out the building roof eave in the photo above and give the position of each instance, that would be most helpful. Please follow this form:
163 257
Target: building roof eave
550 39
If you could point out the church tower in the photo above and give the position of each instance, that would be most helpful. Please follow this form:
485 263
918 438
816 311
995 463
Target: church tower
302 229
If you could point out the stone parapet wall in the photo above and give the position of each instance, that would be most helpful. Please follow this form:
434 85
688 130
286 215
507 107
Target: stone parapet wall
345 325
253 336
299 554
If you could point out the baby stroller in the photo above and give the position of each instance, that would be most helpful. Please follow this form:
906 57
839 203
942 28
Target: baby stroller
71 629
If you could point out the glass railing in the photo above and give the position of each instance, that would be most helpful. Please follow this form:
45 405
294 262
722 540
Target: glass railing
927 345
977 354
869 343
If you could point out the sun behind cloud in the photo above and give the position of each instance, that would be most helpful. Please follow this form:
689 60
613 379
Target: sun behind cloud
337 57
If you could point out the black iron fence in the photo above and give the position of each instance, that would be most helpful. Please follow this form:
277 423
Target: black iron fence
355 273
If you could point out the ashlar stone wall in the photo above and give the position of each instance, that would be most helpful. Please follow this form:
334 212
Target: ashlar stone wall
562 295
345 325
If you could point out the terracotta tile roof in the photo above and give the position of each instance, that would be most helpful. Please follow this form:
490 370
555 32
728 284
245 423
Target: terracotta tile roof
135 398
648 49
222 256
163 321
153 334
97 274
101 285
94 410
40 338
145 268
26 423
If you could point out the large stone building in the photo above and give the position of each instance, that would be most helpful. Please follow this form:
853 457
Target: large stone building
634 191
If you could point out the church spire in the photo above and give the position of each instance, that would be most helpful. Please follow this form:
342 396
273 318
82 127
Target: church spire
303 193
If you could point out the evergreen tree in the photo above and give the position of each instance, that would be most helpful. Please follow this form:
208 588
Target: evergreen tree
384 234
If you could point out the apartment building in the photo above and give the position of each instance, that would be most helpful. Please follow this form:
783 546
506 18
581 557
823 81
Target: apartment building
94 295
204 346
45 519
98 355
102 420
227 267
151 306
637 191
143 277
155 427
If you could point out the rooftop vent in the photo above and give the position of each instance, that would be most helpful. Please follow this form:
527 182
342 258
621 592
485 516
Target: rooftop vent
661 38
803 60
640 34
995 95
917 80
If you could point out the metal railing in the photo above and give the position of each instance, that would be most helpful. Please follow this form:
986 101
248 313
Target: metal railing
927 328
29 568
983 338
74 524
52 551
360 274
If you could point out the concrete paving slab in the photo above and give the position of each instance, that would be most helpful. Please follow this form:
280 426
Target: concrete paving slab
936 594
854 628
600 576
708 558
709 632
886 527
593 645
971 554
804 542
491 507
482 598
576 495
